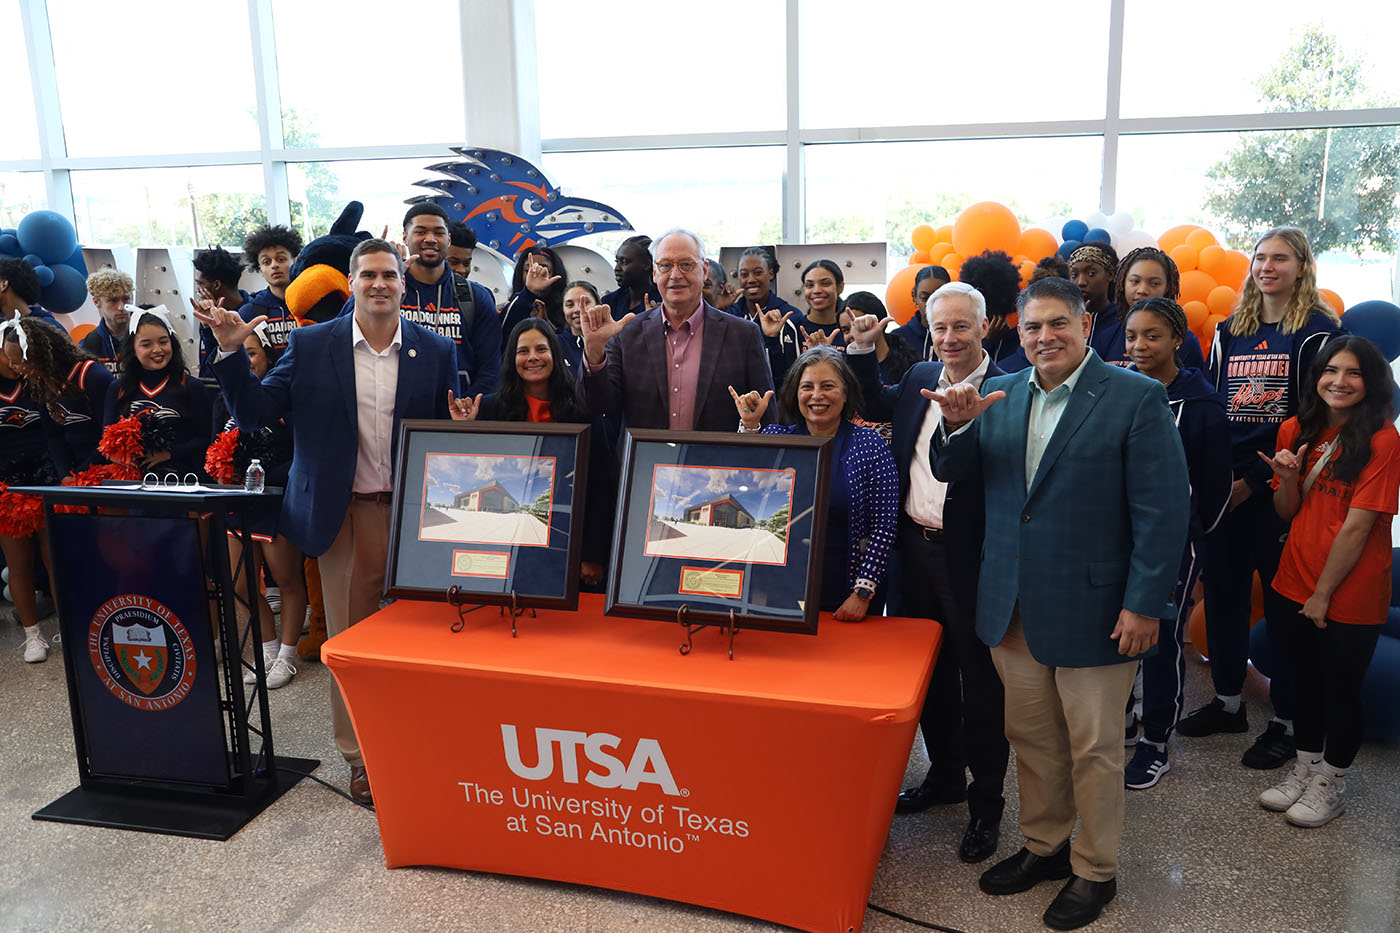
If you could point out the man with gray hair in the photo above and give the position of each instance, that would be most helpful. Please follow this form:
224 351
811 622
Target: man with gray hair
937 556
672 366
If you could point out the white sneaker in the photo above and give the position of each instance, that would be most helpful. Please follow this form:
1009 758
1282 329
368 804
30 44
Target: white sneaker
35 648
280 673
274 600
250 676
1286 793
1321 803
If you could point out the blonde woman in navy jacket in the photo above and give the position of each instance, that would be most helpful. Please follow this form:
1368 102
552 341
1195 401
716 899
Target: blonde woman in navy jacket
822 394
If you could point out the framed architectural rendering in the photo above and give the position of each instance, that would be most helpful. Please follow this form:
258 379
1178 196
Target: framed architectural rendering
721 524
493 508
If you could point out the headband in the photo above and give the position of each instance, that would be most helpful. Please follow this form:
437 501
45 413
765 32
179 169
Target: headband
13 325
1095 255
159 313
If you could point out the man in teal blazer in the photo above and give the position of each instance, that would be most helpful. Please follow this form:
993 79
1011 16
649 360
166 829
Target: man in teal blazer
1087 500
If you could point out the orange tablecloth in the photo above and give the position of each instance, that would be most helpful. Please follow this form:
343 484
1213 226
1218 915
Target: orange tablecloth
590 750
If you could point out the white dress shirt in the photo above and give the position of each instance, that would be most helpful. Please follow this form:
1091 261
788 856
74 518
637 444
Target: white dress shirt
376 386
924 504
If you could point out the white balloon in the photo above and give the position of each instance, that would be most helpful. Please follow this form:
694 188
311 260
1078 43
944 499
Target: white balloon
1133 239
1118 224
1097 219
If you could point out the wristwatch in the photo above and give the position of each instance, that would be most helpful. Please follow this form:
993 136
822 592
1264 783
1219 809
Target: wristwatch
864 592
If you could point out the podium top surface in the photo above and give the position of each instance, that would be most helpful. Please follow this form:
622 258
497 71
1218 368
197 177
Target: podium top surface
133 494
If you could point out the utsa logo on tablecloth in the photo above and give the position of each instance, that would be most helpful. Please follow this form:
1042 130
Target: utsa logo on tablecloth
141 652
647 764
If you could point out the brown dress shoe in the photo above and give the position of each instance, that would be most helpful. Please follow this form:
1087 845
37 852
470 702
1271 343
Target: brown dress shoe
359 784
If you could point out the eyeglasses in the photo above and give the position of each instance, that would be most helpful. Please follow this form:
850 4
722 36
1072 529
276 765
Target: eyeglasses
686 266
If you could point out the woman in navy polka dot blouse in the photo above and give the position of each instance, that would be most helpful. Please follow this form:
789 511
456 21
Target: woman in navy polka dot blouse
821 394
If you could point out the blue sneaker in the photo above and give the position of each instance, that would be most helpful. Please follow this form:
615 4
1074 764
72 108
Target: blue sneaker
1146 768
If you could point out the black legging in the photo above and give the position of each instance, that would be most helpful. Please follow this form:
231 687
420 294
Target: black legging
1328 665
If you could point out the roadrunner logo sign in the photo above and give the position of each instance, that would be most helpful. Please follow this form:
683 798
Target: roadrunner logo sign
141 652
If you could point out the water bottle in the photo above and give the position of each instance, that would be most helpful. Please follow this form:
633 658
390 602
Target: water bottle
255 477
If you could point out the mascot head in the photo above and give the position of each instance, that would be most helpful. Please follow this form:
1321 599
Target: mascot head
320 283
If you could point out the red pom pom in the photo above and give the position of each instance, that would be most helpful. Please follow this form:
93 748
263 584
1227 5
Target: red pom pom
121 441
20 516
95 476
218 462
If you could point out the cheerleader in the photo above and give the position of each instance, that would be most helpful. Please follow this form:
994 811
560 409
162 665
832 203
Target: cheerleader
24 461
151 377
70 387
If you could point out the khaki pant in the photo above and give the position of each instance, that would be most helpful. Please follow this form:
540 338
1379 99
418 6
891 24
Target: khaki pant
352 580
1066 724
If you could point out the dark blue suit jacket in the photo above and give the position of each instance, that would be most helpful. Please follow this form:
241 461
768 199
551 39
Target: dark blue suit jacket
315 381
905 406
1100 529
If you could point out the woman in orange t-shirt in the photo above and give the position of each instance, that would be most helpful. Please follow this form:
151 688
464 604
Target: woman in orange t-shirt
1337 480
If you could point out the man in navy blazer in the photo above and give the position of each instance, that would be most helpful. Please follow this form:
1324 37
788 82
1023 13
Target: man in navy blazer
1087 500
938 552
345 385
672 366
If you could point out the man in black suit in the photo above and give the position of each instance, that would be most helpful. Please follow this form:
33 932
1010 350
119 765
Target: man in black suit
939 552
672 366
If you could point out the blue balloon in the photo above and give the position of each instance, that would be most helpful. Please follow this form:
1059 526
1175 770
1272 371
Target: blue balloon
77 262
1098 235
1074 230
66 293
9 244
49 234
45 274
1377 321
34 260
1067 247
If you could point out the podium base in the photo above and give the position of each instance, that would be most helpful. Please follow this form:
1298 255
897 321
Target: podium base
173 812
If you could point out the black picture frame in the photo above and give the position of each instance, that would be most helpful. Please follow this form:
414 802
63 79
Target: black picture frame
663 530
487 542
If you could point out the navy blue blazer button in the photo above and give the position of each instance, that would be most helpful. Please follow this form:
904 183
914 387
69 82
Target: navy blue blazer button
1026 517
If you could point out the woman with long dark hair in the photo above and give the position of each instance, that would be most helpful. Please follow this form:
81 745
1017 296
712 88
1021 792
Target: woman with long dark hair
822 285
536 386
1336 481
70 386
1258 362
151 377
537 289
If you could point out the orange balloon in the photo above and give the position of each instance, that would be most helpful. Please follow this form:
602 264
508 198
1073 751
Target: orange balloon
939 251
1222 300
1237 269
1195 286
1184 256
1037 243
1200 239
919 256
1213 262
1027 270
1207 332
984 226
1332 298
80 331
943 234
1196 630
899 294
1196 314
1020 258
923 237
1012 318
1175 237
953 262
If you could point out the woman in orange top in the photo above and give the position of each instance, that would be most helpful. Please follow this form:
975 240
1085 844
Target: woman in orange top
1336 479
536 387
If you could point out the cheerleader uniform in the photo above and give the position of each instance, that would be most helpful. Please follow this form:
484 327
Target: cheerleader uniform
74 422
24 458
179 400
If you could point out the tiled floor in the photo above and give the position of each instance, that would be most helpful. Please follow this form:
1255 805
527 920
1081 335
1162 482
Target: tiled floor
1198 854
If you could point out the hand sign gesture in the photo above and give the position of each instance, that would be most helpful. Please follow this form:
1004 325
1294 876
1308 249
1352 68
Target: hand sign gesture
648 304
751 407
865 329
463 409
229 329
1285 463
772 321
598 328
961 403
725 296
817 338
538 279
